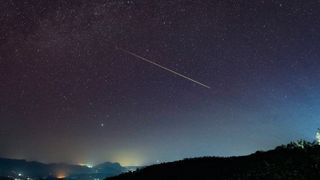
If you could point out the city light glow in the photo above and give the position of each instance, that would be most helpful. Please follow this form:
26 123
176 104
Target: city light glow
87 165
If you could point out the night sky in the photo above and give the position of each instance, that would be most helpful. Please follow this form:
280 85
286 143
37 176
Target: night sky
68 94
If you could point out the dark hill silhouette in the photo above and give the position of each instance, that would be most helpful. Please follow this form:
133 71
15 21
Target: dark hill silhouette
293 161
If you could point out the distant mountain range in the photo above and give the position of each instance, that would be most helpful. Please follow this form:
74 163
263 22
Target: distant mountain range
23 169
295 161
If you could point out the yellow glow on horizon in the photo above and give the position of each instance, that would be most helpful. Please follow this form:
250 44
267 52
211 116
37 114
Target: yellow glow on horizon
128 159
86 165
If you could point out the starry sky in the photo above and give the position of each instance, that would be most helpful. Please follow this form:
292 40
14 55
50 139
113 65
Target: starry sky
67 94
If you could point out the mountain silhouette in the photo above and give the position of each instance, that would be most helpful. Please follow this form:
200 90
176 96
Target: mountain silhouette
21 168
300 160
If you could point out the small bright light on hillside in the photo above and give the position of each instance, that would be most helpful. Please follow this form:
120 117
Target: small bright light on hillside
318 136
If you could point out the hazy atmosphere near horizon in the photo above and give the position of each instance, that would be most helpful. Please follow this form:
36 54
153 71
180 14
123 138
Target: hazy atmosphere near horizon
141 82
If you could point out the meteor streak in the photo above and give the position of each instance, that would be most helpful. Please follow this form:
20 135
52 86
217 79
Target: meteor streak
162 67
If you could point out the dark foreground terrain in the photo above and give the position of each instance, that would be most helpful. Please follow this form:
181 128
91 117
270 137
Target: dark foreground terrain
293 161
